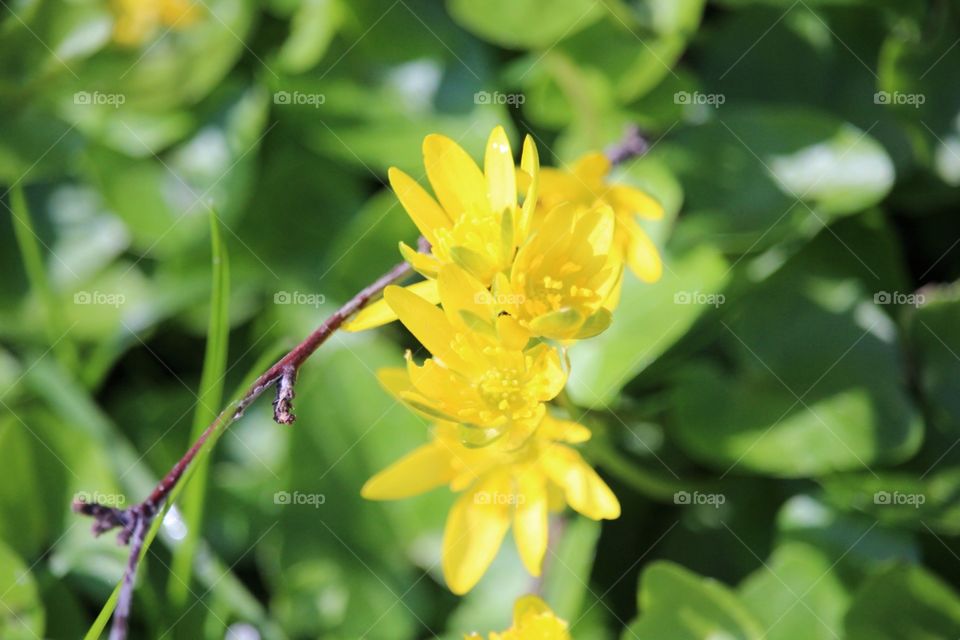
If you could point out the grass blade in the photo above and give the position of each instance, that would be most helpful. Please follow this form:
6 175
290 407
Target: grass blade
27 240
210 397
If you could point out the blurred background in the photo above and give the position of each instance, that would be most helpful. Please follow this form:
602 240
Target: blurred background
778 415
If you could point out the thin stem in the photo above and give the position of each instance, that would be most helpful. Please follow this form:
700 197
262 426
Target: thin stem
134 522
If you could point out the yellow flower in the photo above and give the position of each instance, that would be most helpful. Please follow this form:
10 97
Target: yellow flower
500 486
138 20
476 222
532 620
585 185
482 375
565 276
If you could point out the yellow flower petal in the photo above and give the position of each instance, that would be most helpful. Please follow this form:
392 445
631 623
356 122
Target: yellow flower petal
475 529
462 293
530 525
547 369
500 171
584 490
565 430
426 322
379 313
599 223
454 176
421 470
527 605
395 380
477 264
512 334
641 253
595 325
530 164
425 265
423 210
592 168
634 202
438 383
559 325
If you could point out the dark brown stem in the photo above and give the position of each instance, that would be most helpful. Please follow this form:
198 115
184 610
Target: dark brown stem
134 522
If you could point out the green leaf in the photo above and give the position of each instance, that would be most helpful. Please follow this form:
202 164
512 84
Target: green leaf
163 198
678 604
209 400
905 601
568 567
915 68
771 403
786 173
524 23
925 500
311 29
935 338
853 542
21 520
21 613
796 595
649 319
639 50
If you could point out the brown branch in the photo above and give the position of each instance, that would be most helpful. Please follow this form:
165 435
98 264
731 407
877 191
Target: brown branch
134 522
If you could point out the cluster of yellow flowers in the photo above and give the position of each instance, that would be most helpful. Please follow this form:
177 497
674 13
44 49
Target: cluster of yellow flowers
523 262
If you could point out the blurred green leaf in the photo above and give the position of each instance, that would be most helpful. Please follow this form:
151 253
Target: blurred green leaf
21 614
904 601
915 69
855 543
568 567
642 42
649 319
312 27
784 172
165 200
678 604
935 339
22 524
774 405
524 23
924 500
796 595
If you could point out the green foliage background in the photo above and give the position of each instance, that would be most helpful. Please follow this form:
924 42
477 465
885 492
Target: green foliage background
779 414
